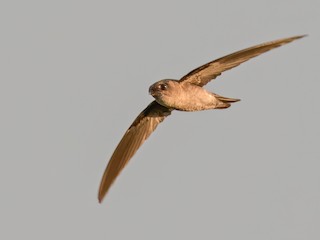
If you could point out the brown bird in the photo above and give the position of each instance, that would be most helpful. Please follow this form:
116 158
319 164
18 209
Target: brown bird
185 94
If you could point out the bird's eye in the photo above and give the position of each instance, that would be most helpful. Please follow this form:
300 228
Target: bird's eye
163 86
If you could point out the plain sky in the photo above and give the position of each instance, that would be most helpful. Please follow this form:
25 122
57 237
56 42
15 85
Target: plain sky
75 74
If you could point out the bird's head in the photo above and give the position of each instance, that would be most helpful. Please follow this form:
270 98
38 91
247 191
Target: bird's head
163 91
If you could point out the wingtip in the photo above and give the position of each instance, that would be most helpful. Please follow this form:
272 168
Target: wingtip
304 35
293 38
300 36
100 198
290 39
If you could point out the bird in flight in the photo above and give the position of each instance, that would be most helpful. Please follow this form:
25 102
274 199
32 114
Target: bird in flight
186 94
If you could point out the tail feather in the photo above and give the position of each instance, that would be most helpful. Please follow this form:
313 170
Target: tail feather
224 101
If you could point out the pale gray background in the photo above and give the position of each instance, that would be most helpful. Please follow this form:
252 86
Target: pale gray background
75 74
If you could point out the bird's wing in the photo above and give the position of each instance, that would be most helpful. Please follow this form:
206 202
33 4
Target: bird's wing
138 132
205 73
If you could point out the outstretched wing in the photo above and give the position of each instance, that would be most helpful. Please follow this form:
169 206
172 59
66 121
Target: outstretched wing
204 74
138 132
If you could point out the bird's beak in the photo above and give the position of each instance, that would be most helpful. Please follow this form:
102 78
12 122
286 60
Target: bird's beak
151 90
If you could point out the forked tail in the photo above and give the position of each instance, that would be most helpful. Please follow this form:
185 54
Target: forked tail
225 102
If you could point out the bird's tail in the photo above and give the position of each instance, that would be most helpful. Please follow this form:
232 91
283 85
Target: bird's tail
225 102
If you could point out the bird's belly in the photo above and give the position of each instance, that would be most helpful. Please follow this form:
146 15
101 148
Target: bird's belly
196 101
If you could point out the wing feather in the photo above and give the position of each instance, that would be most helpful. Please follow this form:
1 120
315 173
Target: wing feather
138 132
207 72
